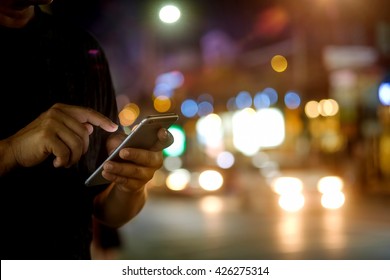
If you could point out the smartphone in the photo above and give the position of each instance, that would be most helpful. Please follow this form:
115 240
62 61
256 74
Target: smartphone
143 136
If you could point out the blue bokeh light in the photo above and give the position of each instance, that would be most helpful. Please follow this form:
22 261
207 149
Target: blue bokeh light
292 100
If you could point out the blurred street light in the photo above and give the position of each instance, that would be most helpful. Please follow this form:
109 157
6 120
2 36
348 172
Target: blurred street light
169 14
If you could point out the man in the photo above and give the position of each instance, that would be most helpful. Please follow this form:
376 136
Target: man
57 123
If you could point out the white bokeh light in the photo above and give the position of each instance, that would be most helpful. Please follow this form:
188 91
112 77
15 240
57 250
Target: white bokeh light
169 14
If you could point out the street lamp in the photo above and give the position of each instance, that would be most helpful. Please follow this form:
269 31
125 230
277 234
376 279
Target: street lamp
169 14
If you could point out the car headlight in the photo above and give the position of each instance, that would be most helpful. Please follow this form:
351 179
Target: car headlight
331 188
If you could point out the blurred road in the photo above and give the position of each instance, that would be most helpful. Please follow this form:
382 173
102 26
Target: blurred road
250 225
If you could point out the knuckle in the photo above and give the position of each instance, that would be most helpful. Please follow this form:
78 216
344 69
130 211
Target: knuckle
76 144
45 133
90 110
156 159
49 119
138 171
123 181
57 105
63 153
50 115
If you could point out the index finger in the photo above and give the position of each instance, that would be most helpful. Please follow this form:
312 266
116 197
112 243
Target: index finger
88 115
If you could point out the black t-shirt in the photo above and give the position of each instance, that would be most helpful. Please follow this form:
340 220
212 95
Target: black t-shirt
46 212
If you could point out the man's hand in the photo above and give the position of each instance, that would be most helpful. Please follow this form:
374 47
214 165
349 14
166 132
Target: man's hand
139 165
63 131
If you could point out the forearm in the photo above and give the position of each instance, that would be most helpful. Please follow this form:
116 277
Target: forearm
7 161
115 207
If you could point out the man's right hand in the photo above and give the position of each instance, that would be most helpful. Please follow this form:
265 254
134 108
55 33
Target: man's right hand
63 131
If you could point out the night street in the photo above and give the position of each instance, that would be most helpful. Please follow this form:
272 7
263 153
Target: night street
250 225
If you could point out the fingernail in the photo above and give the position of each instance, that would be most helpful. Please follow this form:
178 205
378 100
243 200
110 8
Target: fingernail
115 126
108 166
125 153
56 163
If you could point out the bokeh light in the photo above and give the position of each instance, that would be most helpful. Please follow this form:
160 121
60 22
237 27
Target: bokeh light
292 100
279 63
172 163
271 127
162 104
246 132
189 108
178 146
178 179
260 159
331 189
290 190
169 14
163 89
292 202
129 114
330 184
210 180
333 200
209 133
205 97
272 21
243 100
328 107
311 109
287 185
211 204
253 130
205 108
231 104
272 94
261 101
225 160
166 83
384 93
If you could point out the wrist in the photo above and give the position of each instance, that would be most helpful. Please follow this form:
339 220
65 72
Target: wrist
132 191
